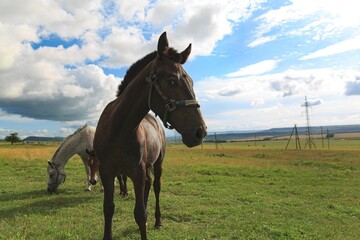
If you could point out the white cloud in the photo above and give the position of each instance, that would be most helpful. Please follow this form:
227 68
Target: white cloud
255 69
319 19
279 96
261 40
63 18
12 42
56 82
117 32
132 11
289 83
229 91
312 102
257 102
59 83
340 47
47 91
124 46
163 13
207 22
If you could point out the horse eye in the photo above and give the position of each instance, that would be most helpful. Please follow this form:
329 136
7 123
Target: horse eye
171 81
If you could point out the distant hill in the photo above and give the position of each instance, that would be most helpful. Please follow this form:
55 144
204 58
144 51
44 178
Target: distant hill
43 139
281 132
273 133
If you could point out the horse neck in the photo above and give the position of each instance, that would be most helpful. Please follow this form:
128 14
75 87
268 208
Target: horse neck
131 106
72 146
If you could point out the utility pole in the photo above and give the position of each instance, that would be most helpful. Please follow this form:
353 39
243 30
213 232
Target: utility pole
309 140
216 143
297 139
322 137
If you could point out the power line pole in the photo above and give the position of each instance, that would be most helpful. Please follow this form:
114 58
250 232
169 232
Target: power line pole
297 139
216 143
322 137
309 140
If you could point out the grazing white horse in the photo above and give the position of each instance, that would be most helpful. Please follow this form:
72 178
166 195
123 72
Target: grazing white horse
76 143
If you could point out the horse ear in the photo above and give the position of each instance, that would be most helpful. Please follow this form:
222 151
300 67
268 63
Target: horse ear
185 54
163 44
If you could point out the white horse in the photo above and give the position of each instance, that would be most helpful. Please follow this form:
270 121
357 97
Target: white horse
76 143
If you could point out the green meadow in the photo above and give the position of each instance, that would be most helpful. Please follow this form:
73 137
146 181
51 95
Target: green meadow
240 190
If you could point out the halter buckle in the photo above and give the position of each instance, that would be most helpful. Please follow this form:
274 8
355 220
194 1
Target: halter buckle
170 106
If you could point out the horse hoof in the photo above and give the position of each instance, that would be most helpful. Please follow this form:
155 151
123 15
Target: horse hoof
88 190
159 226
124 195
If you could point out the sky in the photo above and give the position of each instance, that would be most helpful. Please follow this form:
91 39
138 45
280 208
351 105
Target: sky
252 61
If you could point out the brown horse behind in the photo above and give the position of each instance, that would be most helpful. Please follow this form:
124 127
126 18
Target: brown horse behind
93 164
156 82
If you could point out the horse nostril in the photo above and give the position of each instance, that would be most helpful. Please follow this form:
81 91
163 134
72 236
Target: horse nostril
200 133
93 182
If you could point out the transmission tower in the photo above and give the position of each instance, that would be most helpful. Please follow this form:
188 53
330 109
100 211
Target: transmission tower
297 139
308 142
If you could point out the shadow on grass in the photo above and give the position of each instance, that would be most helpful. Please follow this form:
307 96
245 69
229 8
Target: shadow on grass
11 196
131 232
37 202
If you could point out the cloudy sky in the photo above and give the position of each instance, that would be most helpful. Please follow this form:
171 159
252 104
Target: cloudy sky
252 62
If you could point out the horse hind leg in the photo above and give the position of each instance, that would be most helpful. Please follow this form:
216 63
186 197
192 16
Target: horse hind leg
147 187
138 178
125 190
157 188
122 179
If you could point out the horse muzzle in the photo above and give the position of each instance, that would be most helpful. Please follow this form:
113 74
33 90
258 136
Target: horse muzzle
93 181
51 189
196 138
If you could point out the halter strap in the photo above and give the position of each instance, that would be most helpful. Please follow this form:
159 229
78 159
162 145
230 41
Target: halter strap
58 173
170 104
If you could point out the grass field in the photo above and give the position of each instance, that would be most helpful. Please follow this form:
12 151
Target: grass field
238 191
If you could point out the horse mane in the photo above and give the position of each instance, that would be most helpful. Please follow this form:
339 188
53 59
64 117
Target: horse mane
136 67
68 137
134 70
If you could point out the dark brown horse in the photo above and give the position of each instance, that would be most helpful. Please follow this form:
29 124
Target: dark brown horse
157 82
93 164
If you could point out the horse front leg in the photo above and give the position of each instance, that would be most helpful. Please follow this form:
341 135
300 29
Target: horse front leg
138 179
108 206
157 188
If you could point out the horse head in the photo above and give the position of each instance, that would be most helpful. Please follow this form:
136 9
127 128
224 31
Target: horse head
56 176
93 165
171 94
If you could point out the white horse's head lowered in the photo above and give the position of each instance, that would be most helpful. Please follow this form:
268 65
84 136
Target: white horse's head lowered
75 143
56 176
